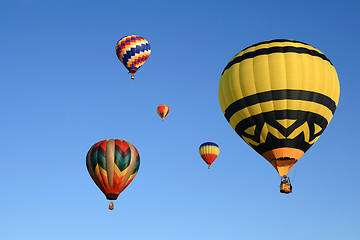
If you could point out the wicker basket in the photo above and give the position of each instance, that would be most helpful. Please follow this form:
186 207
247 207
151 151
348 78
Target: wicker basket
285 188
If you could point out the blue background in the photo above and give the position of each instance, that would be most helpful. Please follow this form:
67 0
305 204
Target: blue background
63 89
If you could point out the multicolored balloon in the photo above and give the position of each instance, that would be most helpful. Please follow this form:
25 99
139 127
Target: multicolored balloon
163 111
112 165
279 96
209 152
133 51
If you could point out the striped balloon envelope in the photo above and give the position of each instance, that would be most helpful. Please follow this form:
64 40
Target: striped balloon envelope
209 152
133 51
112 165
163 111
279 96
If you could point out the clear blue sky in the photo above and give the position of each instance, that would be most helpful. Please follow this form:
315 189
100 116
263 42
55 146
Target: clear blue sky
63 89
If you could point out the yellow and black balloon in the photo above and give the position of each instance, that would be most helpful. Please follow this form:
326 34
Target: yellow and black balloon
279 96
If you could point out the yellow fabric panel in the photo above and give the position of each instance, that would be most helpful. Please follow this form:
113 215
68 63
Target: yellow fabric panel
209 149
317 128
103 172
131 177
286 122
230 91
103 176
97 170
250 130
249 141
118 172
278 71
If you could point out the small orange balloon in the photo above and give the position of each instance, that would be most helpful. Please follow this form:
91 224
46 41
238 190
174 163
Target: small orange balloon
163 111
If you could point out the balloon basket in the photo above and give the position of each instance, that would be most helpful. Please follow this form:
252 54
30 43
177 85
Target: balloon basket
111 206
285 186
132 77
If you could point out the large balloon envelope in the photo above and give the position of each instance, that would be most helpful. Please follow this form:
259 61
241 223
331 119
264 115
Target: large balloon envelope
279 96
133 51
209 152
112 164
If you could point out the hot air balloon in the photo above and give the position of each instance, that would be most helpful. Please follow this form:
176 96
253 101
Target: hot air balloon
163 111
279 96
112 165
209 152
133 51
